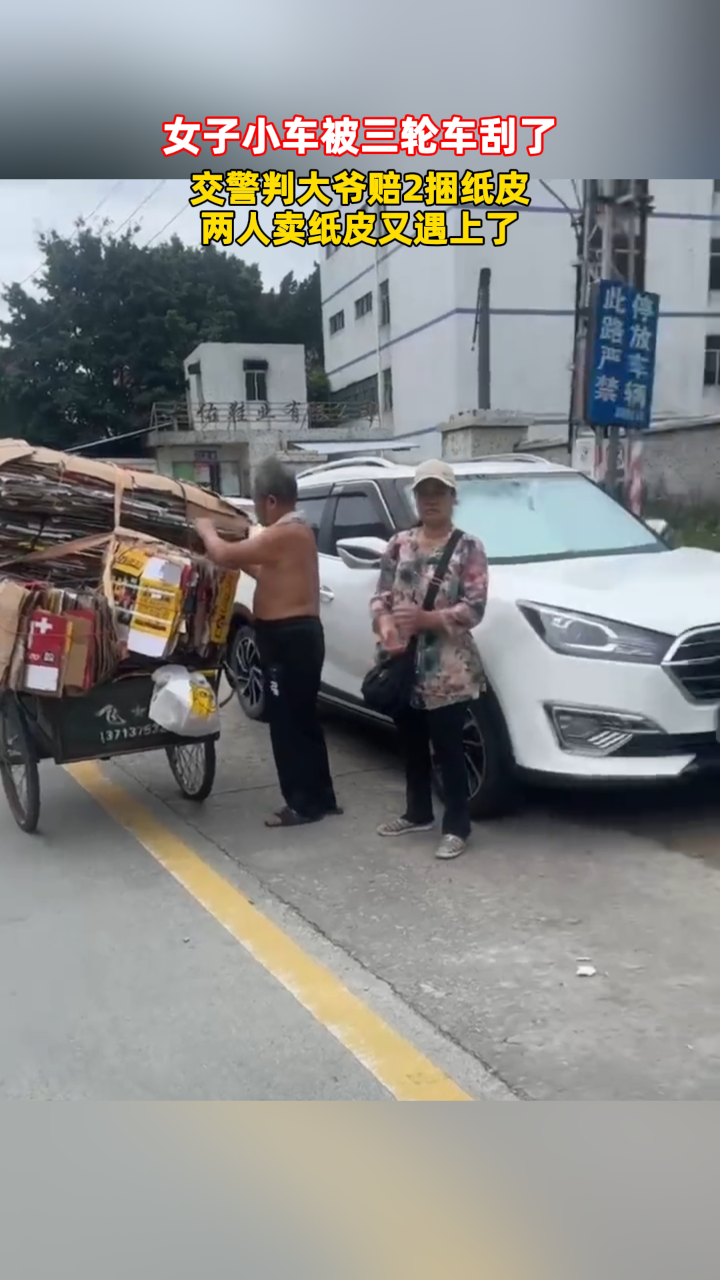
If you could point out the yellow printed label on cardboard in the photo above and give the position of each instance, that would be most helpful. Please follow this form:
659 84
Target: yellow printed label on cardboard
221 616
202 702
131 560
156 611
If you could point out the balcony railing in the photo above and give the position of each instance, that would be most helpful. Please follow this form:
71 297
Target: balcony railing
237 419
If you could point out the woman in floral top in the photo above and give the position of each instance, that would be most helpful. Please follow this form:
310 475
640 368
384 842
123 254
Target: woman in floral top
449 673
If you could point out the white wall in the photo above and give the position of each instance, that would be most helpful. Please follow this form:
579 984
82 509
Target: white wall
678 252
223 377
432 300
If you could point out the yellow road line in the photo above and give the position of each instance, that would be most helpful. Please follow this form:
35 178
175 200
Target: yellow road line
405 1072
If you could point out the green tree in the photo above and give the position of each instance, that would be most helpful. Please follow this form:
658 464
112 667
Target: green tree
114 322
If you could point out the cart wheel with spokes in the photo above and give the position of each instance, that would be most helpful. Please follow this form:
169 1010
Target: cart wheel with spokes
193 766
19 766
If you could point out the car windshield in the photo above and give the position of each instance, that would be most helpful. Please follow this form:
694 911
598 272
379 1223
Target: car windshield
557 516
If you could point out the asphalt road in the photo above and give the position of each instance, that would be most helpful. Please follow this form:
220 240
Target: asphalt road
485 950
115 985
192 954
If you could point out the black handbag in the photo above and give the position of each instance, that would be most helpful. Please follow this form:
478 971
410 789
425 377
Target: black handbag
388 687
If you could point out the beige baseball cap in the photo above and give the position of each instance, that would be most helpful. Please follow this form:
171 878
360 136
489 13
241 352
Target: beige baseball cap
434 469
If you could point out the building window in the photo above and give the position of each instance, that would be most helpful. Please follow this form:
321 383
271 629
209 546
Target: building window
714 265
336 322
712 360
363 306
358 399
387 390
256 384
384 296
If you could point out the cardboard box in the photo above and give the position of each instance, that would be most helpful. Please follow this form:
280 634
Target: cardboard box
13 600
80 665
198 502
148 593
46 652
222 612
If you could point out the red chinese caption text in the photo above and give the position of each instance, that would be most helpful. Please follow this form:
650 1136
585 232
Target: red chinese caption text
374 223
371 136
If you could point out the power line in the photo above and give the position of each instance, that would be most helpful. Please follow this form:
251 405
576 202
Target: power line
573 212
85 220
143 202
169 223
127 435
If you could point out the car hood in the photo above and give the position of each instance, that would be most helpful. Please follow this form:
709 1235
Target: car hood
671 591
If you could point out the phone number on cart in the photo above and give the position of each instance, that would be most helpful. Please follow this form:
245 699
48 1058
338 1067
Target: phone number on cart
129 732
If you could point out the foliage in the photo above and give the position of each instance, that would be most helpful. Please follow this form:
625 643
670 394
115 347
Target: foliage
114 322
693 524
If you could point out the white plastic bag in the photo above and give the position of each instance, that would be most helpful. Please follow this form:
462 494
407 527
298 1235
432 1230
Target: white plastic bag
183 702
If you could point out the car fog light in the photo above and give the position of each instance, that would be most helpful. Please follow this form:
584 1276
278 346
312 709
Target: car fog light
591 731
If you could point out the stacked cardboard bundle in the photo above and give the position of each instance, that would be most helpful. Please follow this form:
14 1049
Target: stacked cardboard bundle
101 568
167 602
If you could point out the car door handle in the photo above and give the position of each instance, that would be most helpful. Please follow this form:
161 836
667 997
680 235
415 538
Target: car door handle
326 594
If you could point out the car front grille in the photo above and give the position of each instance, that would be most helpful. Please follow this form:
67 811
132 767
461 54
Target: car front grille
694 661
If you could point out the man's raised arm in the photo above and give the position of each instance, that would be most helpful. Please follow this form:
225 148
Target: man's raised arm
264 547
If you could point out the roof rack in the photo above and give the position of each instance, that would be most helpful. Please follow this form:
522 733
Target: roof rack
513 457
341 463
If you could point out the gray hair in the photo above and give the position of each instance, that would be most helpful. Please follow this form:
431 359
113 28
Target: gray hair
274 480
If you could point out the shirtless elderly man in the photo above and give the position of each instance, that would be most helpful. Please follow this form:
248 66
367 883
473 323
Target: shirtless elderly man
283 559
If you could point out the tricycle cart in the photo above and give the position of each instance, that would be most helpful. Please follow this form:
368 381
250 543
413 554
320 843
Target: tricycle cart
109 720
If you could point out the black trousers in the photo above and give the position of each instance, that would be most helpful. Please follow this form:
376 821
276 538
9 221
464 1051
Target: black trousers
292 653
444 728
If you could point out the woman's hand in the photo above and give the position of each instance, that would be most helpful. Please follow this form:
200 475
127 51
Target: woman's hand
388 633
408 618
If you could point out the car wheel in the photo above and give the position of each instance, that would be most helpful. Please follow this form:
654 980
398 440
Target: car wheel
488 760
246 673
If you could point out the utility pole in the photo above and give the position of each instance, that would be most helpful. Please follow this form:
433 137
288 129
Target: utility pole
481 338
587 271
613 239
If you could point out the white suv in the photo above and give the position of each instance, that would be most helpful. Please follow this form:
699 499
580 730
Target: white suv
600 642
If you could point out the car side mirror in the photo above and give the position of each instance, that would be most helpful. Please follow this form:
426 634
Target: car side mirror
664 531
361 553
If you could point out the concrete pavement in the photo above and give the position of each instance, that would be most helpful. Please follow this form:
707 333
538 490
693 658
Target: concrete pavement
486 949
116 986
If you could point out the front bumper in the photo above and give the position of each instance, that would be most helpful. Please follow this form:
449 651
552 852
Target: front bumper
679 736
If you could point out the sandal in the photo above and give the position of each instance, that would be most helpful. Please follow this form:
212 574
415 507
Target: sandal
402 827
290 818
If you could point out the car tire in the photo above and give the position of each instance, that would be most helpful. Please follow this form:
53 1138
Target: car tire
490 765
245 673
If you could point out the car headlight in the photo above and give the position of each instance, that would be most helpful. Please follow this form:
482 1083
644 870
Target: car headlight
580 635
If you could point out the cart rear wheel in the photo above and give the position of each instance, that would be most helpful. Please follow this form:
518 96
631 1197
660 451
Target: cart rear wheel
18 767
193 766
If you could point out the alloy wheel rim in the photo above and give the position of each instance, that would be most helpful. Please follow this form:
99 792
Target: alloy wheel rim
247 672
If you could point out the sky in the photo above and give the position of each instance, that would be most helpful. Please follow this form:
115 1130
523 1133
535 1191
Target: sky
30 206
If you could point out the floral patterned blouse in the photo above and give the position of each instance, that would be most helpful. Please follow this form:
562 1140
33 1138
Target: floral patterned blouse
448 663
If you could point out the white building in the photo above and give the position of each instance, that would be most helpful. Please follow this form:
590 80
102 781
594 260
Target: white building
242 400
403 318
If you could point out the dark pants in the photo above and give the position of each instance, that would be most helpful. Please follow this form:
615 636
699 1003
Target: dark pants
444 728
292 653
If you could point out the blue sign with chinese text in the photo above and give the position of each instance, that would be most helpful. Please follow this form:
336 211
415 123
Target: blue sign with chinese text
622 340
